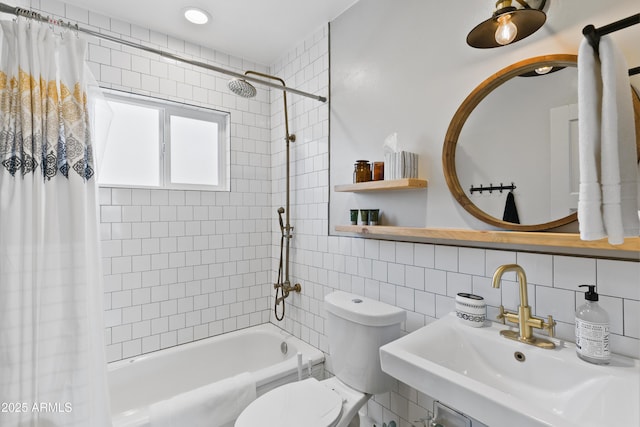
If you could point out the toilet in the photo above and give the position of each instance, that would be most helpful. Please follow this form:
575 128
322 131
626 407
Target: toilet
356 328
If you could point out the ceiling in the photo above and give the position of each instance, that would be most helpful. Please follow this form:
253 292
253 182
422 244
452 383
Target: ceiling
257 30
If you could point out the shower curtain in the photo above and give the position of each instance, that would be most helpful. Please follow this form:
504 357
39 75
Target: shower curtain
52 362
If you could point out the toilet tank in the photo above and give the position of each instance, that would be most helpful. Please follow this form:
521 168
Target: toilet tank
356 329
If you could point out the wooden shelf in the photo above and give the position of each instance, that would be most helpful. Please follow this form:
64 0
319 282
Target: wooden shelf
548 239
384 185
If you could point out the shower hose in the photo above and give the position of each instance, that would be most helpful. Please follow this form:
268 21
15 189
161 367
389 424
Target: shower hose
280 288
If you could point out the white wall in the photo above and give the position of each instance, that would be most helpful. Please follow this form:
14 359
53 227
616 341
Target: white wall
405 67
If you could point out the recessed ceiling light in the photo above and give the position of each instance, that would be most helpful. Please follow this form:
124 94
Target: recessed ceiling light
196 15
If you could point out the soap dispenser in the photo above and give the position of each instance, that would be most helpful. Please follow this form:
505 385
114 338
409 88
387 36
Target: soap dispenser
592 330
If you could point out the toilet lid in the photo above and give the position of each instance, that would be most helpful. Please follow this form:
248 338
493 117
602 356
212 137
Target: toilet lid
304 403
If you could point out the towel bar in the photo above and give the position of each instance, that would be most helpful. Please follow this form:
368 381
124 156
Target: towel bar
593 34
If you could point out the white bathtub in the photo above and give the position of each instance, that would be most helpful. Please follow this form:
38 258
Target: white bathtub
136 383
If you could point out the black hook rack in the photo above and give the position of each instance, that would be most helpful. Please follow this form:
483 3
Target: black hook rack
492 187
593 34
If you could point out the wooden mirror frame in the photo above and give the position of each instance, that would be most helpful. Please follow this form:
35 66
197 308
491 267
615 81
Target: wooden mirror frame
461 116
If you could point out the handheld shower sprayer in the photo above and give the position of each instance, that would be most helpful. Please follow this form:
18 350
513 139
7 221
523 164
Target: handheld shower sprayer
283 284
280 212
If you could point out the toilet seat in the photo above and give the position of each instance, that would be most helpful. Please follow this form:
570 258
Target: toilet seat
304 403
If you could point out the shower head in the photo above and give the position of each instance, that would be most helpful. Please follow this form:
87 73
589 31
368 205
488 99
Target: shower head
242 88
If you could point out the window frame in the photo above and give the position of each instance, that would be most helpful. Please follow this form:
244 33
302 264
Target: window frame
167 109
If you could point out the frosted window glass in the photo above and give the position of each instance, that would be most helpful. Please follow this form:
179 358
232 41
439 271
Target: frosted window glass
194 151
132 152
160 144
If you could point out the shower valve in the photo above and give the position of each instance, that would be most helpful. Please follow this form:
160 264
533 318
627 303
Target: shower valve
286 289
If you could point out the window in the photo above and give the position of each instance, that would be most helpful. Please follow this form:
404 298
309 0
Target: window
160 144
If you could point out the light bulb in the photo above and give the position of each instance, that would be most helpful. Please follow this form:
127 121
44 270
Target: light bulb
544 70
506 31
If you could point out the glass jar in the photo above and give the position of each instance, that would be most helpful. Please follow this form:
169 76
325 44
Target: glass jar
378 171
362 171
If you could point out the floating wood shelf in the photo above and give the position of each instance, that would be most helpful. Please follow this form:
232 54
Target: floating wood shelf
548 239
384 185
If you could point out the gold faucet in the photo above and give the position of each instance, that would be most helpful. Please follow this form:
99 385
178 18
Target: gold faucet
523 317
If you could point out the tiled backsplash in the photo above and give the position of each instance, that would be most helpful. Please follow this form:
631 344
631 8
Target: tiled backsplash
184 265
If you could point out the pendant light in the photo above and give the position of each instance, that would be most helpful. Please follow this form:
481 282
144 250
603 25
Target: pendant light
507 25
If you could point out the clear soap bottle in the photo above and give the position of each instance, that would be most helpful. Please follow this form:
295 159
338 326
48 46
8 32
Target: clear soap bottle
592 330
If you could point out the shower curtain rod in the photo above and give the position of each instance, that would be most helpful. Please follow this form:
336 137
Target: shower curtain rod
18 11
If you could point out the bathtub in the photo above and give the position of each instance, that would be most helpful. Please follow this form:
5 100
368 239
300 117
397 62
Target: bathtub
136 383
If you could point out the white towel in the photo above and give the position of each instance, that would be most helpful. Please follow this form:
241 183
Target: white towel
589 108
608 199
619 174
213 405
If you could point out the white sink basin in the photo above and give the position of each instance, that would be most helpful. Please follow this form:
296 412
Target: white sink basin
475 370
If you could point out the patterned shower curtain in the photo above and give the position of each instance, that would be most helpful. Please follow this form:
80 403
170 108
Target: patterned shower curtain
52 362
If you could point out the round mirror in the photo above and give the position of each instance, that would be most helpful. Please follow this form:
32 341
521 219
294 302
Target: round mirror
512 159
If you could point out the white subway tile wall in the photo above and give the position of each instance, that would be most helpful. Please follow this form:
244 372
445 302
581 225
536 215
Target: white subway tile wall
184 265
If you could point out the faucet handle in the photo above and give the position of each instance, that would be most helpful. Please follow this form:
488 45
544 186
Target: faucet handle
501 315
550 326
